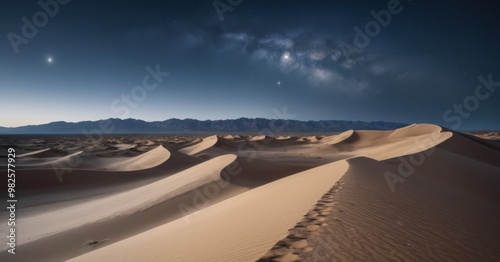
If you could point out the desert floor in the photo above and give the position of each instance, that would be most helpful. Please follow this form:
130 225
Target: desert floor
419 193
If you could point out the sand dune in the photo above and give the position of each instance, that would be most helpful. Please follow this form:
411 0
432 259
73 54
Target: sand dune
489 135
381 145
311 151
311 139
45 224
335 139
283 137
415 130
197 148
47 162
446 210
239 229
33 153
144 161
418 193
226 222
256 138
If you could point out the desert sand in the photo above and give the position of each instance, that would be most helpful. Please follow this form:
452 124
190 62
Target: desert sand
419 193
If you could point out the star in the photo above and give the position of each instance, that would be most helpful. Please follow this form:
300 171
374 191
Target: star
286 57
279 83
49 60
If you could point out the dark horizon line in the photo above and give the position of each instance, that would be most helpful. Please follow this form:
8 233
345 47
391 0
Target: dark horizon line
227 119
249 118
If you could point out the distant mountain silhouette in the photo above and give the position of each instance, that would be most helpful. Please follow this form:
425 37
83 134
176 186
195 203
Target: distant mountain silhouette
241 125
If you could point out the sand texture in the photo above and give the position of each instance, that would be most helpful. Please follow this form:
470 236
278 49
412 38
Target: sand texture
419 193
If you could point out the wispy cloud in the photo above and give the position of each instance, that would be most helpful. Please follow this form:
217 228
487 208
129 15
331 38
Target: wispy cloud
318 61
278 42
238 37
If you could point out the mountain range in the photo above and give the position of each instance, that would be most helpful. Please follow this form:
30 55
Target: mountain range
174 125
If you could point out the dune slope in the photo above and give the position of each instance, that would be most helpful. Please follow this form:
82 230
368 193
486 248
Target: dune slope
54 221
206 143
239 229
79 161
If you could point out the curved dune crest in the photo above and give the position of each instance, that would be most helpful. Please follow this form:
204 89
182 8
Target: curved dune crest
147 160
239 229
407 146
49 161
382 145
48 223
310 139
144 161
335 139
415 130
256 138
33 153
195 149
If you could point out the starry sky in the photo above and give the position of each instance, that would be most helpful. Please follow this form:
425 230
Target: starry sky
378 60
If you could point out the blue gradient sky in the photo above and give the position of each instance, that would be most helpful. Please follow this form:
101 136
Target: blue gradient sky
264 55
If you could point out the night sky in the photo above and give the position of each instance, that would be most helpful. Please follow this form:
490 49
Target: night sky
321 60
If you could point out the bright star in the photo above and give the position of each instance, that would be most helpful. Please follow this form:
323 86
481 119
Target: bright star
286 58
49 60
